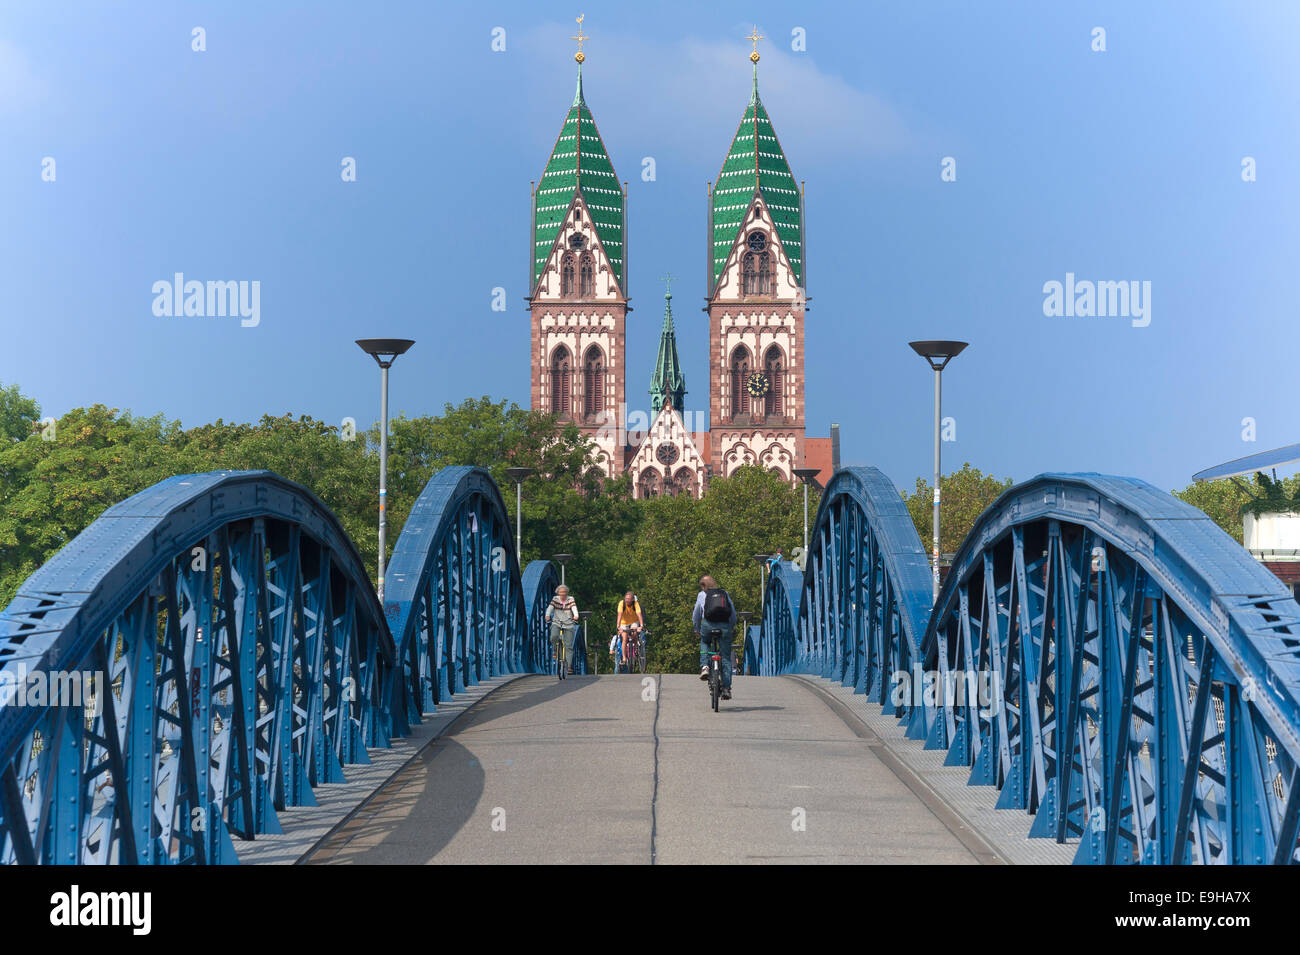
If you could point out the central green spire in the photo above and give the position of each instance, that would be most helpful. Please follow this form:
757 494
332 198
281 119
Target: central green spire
668 384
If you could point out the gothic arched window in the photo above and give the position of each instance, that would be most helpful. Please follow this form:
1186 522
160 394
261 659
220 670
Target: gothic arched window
755 266
772 367
561 381
593 382
739 378
587 268
684 482
649 485
567 275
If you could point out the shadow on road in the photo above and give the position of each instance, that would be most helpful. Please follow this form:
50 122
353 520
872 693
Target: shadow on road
413 816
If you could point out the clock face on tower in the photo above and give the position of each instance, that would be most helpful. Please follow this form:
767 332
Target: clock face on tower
667 454
757 385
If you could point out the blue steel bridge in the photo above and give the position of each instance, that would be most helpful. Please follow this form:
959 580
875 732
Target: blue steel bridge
1106 677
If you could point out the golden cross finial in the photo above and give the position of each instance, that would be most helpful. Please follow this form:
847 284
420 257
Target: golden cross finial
754 38
580 56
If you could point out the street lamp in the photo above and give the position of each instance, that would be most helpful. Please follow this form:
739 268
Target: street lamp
562 559
518 475
384 351
805 476
583 615
937 354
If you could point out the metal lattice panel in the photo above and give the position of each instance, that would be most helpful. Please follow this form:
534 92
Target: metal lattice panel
240 658
1116 664
857 612
1101 652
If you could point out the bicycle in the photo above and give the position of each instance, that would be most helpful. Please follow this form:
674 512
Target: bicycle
715 667
638 648
561 655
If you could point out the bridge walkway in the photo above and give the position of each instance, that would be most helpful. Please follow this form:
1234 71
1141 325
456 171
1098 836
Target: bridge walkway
609 769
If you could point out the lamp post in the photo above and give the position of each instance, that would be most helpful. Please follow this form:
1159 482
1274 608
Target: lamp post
583 615
937 354
518 475
562 559
384 351
805 476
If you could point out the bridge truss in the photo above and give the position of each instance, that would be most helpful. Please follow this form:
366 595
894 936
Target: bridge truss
211 649
1101 652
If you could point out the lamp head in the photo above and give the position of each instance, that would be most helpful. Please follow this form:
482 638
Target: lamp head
384 350
938 353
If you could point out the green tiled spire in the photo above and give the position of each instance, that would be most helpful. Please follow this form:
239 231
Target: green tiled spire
580 165
668 381
756 163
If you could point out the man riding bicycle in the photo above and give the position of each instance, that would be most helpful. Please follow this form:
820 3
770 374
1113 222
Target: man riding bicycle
714 625
562 615
630 622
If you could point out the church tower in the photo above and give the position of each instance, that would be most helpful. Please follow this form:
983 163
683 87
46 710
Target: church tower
756 301
578 282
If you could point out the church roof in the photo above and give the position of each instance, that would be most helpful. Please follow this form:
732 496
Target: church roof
579 165
755 163
668 381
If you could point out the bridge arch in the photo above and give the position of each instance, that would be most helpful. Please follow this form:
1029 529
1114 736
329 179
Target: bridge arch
240 655
540 581
1116 664
779 635
453 595
864 555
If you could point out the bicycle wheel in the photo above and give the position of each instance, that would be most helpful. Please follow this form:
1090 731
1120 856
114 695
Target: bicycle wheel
715 686
640 655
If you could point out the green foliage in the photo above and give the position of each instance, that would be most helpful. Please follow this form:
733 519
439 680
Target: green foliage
751 512
1276 497
18 415
1226 500
51 490
966 494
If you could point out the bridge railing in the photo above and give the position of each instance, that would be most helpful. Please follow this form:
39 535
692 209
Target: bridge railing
1101 652
540 581
858 611
211 649
454 598
1116 664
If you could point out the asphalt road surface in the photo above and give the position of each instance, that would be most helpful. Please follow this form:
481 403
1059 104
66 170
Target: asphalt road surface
630 769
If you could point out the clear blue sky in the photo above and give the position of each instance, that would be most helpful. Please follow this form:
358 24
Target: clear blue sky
225 165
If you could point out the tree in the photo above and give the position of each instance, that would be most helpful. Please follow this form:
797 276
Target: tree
18 415
1226 500
966 494
750 512
51 490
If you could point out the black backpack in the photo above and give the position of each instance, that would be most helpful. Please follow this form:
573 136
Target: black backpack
717 606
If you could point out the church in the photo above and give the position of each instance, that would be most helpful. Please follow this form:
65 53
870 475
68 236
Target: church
756 294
